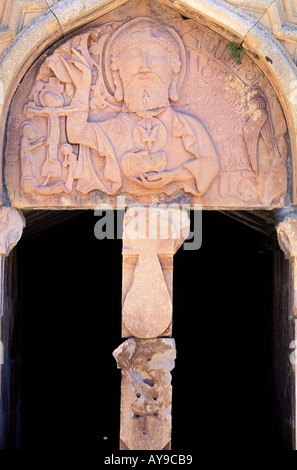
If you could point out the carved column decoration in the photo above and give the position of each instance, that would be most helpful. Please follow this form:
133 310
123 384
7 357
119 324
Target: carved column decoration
11 227
151 237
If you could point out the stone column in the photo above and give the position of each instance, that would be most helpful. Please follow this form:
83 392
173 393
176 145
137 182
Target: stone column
11 227
287 238
150 239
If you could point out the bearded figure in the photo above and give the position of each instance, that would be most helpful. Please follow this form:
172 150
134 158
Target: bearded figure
149 147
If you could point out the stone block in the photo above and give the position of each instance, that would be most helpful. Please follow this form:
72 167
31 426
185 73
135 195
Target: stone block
151 237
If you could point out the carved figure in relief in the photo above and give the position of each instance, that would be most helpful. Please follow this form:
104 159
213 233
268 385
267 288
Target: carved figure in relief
259 124
29 142
144 59
70 162
153 112
259 128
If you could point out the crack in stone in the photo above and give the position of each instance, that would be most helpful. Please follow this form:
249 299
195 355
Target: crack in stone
258 21
50 9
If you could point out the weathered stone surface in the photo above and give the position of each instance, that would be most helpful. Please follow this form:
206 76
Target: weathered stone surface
146 108
287 237
15 15
151 237
11 229
146 392
12 223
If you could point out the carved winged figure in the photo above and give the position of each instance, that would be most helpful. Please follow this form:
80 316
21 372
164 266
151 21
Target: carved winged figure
259 124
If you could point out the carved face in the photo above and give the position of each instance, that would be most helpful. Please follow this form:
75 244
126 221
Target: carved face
146 75
255 104
29 132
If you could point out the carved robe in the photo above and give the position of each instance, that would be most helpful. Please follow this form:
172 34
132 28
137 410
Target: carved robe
184 140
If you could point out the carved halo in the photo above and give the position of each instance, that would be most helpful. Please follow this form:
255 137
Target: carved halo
107 53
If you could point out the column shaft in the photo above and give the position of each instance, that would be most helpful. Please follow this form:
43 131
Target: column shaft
151 237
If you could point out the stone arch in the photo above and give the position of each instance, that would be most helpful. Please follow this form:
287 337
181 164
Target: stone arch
232 22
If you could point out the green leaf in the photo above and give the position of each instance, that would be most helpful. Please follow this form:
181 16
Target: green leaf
238 62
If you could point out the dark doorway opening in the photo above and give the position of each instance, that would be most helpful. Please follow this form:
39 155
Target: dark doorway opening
224 334
70 327
223 395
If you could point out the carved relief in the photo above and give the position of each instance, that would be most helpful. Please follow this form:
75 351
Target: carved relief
150 110
146 392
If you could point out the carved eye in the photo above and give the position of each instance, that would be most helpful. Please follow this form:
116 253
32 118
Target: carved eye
133 52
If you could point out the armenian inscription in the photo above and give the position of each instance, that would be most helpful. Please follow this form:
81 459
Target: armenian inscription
142 108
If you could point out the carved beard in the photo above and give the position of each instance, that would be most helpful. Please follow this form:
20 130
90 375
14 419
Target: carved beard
145 92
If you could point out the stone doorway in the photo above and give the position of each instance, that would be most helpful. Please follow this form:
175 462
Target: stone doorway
226 378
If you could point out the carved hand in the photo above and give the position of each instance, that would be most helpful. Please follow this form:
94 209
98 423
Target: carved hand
40 141
157 180
79 70
162 177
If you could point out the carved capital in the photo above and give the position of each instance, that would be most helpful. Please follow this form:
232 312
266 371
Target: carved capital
287 237
12 223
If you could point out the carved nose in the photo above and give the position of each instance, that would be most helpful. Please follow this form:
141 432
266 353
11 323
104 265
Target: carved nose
144 67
